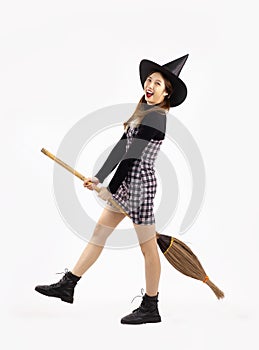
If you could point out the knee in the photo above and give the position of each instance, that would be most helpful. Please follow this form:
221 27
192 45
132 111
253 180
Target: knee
144 248
149 248
101 233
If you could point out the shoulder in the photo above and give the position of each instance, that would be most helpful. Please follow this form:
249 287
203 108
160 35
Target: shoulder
155 120
153 126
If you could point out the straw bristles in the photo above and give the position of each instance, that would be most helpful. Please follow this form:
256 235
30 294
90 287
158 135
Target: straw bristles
185 261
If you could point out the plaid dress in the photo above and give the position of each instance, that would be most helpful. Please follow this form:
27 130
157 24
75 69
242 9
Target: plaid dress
137 191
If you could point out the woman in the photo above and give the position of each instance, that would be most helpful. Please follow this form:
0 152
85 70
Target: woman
133 186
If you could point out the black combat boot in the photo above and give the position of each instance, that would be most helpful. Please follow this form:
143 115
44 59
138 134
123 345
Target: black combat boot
64 289
147 312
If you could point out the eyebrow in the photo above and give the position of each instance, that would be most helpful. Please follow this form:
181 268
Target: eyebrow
156 79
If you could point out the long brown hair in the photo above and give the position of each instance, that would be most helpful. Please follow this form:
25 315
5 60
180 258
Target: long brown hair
140 111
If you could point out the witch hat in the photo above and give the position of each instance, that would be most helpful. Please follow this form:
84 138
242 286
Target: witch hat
171 71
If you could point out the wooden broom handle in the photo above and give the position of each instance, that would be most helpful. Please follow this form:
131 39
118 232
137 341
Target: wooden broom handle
80 176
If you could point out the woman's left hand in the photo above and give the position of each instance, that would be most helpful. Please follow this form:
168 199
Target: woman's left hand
104 193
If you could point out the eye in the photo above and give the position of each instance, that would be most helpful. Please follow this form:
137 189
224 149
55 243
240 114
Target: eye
158 83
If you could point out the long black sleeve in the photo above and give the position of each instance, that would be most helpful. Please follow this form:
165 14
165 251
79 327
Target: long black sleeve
113 159
153 126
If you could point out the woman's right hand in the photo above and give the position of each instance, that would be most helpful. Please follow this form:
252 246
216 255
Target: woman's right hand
89 185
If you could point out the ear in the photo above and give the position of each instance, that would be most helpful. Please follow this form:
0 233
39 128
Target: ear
165 93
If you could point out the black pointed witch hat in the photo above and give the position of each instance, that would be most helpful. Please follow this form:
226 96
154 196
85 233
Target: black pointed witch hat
171 71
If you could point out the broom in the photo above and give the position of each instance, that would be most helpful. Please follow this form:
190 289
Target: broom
185 261
176 252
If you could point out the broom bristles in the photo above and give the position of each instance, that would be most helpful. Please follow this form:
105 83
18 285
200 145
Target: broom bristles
219 294
185 261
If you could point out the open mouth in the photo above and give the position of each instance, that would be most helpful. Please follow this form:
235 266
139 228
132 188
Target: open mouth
149 93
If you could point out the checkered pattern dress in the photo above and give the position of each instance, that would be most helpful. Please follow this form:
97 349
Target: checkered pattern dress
137 191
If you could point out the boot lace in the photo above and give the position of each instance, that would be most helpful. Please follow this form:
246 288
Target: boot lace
140 308
66 270
62 279
142 292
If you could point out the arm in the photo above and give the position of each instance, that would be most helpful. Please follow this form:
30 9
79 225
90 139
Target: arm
152 126
113 159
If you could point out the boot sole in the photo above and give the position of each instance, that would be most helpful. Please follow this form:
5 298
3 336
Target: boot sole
41 291
142 322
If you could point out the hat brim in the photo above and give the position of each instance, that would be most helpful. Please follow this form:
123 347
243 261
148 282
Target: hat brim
180 90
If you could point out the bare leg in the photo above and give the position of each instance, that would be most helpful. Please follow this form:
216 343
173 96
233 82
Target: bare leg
148 243
109 219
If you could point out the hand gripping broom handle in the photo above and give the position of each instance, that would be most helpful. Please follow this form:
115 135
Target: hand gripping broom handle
80 176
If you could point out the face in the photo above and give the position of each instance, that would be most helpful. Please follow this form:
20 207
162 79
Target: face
154 88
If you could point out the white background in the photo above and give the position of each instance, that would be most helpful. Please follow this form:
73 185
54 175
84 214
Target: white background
60 60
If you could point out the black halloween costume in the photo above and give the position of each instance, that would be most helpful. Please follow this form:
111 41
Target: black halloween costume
134 183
